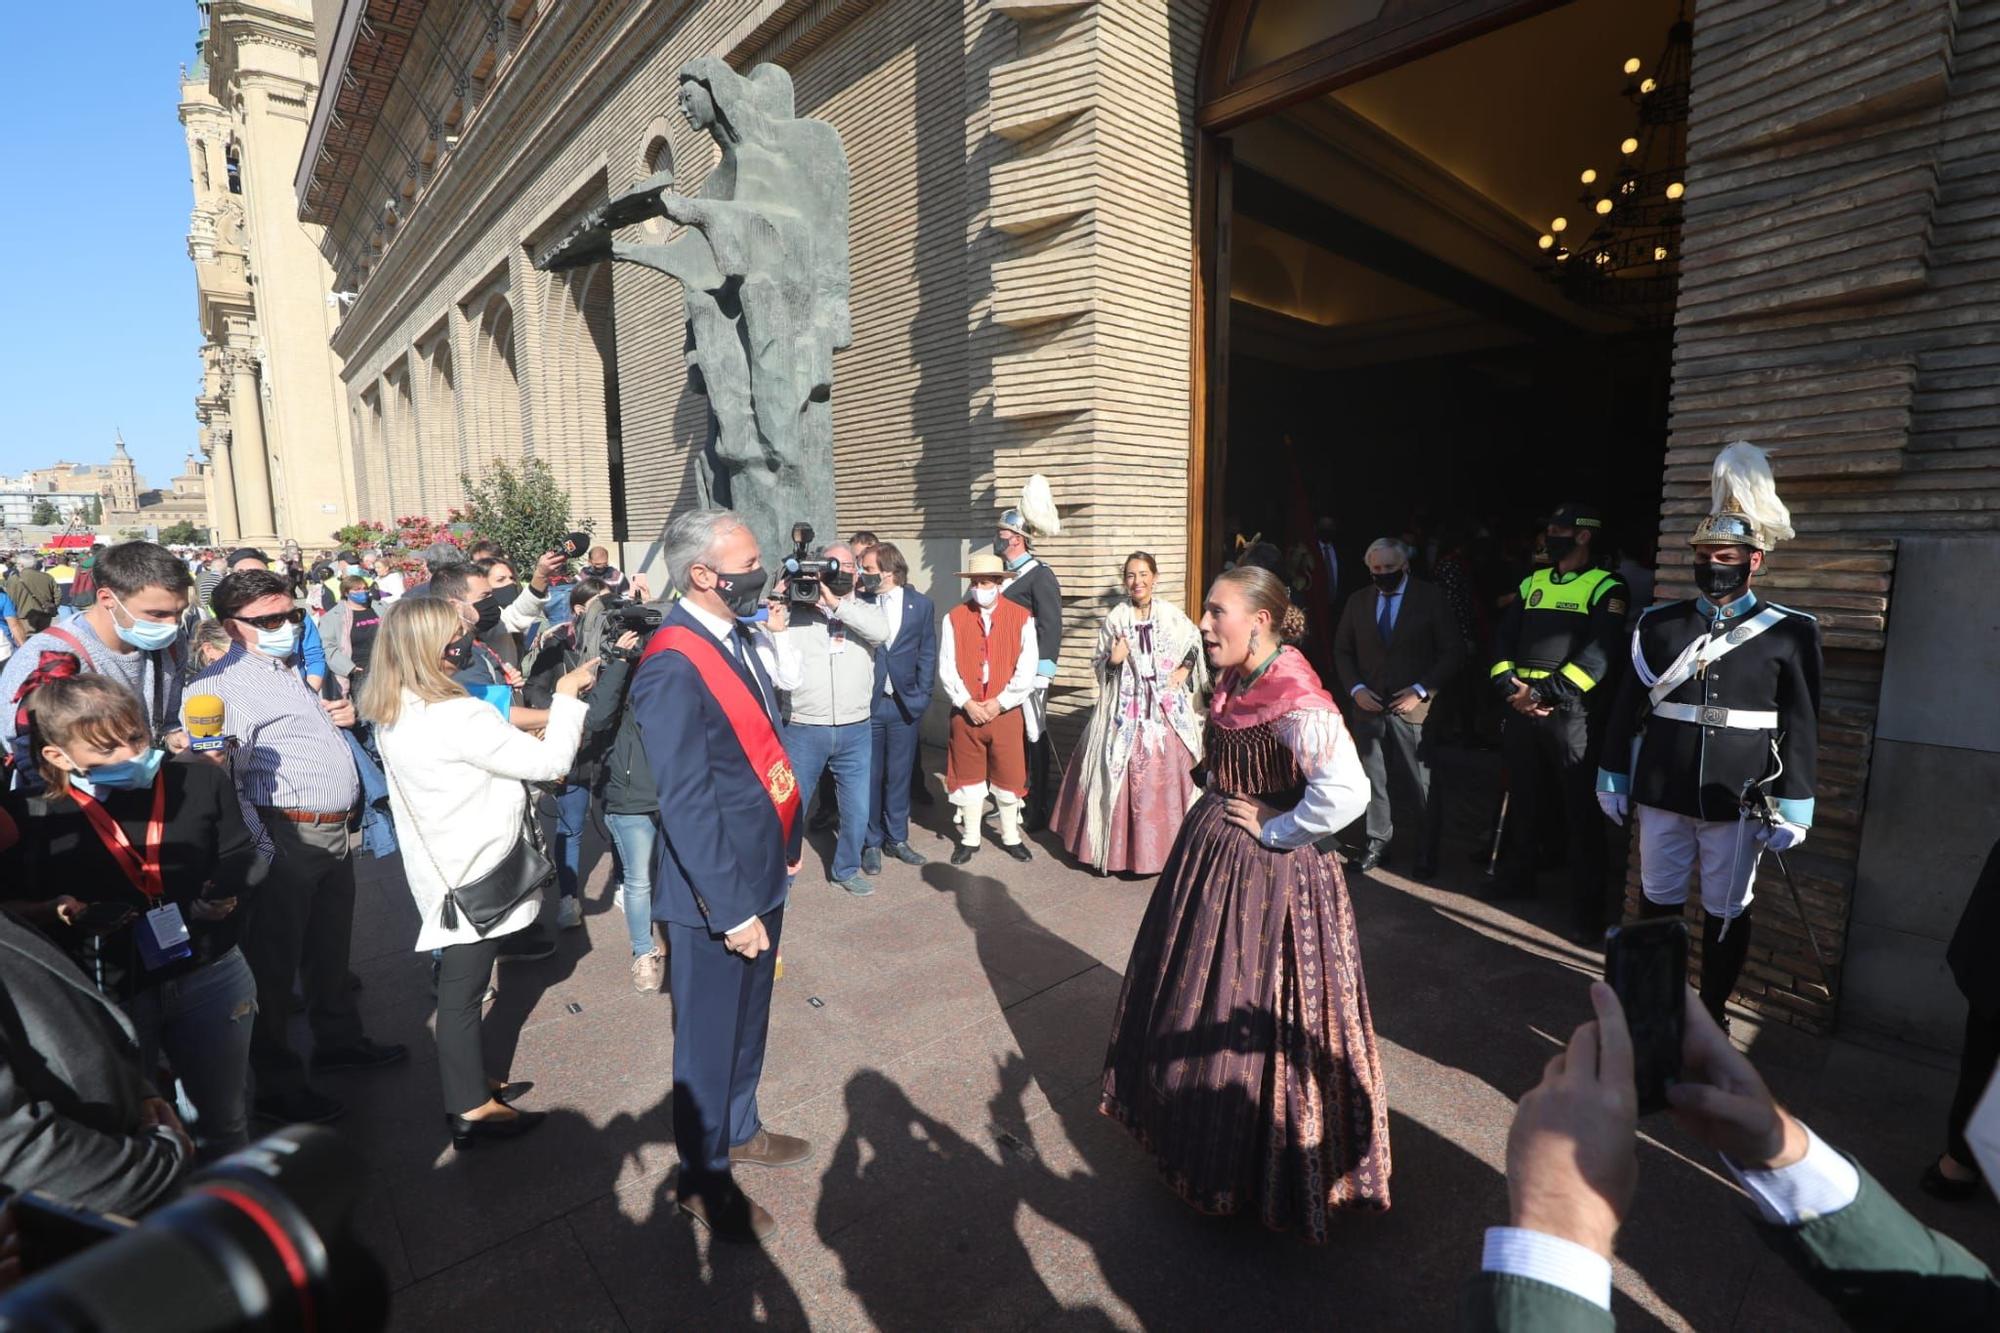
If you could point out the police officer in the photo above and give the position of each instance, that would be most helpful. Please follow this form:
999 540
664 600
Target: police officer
1556 646
1033 585
1723 702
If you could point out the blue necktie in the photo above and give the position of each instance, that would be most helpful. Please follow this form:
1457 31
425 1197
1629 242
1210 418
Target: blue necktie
1382 620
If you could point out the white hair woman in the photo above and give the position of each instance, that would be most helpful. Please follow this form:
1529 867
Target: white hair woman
457 771
1132 779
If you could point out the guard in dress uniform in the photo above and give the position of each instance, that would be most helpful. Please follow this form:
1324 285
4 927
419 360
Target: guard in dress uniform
1556 647
1718 724
1034 586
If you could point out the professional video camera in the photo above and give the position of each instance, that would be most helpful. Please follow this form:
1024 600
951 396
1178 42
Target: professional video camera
259 1241
622 614
804 572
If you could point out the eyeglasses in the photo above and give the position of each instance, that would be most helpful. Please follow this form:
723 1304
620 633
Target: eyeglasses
274 620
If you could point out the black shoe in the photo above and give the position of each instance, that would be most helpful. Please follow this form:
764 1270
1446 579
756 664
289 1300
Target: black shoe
303 1107
907 854
1375 854
871 860
1941 1186
961 854
1034 821
466 1133
525 946
363 1054
1018 850
509 1093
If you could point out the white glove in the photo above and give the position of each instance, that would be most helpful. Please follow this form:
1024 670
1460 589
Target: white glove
1615 805
1782 837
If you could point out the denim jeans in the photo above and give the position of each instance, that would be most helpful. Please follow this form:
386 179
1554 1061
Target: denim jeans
566 849
202 1023
846 750
635 837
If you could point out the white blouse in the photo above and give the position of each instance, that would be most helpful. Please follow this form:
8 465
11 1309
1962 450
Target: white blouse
1336 785
456 769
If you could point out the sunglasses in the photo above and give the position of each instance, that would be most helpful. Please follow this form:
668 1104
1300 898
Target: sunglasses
274 620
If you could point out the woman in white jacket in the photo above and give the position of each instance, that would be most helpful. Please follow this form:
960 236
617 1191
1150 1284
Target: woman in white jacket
456 769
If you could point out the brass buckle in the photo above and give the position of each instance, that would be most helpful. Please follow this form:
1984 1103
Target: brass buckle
1715 717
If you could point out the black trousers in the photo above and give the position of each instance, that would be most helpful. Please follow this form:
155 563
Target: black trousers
463 970
1393 749
1976 1061
300 924
1555 756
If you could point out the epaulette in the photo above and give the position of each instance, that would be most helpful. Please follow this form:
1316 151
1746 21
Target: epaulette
1793 611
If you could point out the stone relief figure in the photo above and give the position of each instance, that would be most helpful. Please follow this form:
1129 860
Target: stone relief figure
762 263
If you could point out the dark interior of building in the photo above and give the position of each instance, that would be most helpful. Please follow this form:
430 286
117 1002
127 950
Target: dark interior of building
1404 352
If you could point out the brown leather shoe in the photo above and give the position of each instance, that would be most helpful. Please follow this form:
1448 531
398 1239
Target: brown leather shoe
768 1149
735 1218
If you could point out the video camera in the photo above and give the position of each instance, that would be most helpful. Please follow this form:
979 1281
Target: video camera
622 614
259 1240
805 572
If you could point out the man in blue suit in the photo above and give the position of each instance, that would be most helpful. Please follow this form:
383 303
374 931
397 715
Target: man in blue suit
729 826
905 672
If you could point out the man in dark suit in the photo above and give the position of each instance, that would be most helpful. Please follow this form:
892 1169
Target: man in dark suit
1573 1167
729 826
905 673
1396 646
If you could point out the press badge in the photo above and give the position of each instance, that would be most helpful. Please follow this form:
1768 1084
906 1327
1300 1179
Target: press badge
836 640
163 937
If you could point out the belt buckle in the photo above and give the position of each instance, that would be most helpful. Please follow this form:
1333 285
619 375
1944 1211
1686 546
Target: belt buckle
1714 717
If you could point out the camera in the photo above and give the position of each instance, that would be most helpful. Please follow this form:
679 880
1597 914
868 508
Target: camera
260 1240
622 614
805 572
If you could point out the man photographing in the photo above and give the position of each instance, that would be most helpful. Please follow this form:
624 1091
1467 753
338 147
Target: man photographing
707 710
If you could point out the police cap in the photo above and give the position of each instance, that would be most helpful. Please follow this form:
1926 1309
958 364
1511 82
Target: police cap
1574 514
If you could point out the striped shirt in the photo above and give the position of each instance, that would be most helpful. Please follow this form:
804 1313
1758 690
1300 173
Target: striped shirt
289 753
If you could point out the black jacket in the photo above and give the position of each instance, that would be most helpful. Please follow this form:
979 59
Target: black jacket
1698 770
555 655
1423 649
1976 942
1036 588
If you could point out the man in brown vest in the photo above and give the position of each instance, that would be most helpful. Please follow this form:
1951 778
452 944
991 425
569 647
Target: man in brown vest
986 664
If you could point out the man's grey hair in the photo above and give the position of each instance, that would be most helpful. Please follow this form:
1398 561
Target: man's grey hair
1390 545
691 540
828 551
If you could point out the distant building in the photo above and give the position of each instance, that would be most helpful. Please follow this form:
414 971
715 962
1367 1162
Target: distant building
272 410
120 495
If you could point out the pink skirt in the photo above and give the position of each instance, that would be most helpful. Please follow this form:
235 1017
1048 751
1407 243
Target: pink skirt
1146 813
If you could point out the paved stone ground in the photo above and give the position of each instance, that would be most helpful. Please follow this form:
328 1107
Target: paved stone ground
964 1179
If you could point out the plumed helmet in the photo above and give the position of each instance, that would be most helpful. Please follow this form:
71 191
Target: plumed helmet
1745 509
1037 515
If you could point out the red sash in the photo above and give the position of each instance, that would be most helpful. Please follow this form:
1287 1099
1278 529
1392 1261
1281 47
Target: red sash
143 871
769 763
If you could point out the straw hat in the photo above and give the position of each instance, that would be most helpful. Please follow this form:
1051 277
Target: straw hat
985 565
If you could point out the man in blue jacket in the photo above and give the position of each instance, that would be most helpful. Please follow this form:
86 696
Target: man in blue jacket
905 674
729 827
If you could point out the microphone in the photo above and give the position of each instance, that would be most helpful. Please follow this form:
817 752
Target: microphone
203 714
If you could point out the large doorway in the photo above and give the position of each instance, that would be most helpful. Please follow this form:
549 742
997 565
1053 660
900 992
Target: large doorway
1419 315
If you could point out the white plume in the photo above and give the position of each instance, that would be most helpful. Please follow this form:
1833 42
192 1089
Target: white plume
1038 507
1743 474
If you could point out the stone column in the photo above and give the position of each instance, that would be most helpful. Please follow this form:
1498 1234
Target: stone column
222 486
253 469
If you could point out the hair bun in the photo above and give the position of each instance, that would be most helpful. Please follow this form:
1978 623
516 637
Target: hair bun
1294 626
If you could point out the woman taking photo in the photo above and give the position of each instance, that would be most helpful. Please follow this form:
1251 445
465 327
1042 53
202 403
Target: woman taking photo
1131 780
1242 1053
456 772
154 862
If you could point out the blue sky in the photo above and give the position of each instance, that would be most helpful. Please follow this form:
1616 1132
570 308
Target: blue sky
97 316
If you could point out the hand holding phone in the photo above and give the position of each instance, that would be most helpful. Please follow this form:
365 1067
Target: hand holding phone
1645 963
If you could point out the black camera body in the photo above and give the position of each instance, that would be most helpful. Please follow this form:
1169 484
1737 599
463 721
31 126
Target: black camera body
806 572
623 615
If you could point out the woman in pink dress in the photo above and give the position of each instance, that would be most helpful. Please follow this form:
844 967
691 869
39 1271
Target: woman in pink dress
1131 780
1242 1053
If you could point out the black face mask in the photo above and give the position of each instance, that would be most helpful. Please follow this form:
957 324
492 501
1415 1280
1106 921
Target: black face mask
868 585
840 584
459 652
741 591
1390 581
597 571
1559 548
1721 584
488 608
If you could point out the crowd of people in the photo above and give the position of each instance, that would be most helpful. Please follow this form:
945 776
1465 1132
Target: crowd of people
193 745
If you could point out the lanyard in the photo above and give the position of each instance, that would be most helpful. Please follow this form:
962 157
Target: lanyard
144 874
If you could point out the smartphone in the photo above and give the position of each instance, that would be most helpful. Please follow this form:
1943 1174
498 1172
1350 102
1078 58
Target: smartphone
1646 964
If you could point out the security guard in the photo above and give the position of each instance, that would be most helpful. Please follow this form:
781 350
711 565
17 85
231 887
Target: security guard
1723 703
1556 646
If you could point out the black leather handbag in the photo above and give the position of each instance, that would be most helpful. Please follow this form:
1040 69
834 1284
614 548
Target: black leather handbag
486 900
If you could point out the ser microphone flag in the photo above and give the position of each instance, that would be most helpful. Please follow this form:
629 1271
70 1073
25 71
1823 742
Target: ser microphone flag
204 724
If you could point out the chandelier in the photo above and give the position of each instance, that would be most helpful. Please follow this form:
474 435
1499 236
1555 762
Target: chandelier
1630 261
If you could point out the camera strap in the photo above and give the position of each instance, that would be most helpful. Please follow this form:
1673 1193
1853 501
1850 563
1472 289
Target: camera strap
142 870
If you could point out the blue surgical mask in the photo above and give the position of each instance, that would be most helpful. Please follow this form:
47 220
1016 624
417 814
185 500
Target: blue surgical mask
125 775
359 597
278 642
146 635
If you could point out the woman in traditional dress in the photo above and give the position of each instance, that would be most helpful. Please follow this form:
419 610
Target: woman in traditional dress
1242 1054
1131 780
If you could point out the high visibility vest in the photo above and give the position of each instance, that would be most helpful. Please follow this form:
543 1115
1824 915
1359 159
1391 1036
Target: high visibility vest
1555 622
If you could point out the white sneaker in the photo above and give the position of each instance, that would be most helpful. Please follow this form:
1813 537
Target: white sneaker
569 914
647 971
